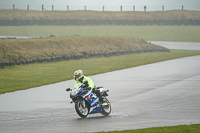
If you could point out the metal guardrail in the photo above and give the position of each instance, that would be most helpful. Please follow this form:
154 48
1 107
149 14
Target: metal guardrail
99 22
13 37
6 38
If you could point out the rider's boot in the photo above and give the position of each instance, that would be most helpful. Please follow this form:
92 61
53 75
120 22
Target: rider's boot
101 99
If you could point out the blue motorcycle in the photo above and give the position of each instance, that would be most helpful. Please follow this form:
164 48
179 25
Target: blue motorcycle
90 101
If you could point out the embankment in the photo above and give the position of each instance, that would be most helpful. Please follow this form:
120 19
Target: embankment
28 51
174 17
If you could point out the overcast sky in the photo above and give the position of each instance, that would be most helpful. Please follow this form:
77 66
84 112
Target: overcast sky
98 4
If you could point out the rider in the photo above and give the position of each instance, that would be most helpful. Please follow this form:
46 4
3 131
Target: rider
80 78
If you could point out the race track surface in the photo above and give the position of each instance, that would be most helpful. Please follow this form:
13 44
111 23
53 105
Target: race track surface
160 94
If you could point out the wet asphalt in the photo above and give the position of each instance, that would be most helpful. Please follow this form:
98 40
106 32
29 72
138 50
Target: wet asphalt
160 94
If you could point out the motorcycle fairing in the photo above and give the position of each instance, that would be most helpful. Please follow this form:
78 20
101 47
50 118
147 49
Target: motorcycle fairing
94 103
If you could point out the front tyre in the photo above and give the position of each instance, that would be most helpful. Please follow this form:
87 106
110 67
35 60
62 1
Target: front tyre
106 107
82 112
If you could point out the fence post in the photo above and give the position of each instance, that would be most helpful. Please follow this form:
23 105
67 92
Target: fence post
121 8
27 7
13 6
182 7
42 7
145 8
133 8
52 7
163 8
67 8
103 8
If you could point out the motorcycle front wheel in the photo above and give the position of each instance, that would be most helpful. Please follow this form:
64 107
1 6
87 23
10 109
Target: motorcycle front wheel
82 112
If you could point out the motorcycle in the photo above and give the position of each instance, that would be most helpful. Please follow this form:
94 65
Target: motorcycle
90 101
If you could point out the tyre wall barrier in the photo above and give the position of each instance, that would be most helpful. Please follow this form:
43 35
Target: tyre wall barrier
99 22
83 55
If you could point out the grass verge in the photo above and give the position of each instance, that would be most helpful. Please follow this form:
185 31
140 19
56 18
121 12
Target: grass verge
194 128
154 32
27 76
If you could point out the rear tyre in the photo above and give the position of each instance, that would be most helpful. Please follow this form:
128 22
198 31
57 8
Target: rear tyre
82 112
106 109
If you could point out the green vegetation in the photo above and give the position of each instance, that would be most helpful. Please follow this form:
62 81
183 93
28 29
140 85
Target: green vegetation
195 128
26 76
153 33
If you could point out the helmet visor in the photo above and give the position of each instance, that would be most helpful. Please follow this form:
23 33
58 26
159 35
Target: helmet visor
77 77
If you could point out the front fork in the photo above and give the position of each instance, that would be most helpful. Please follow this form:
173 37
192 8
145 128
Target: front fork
82 103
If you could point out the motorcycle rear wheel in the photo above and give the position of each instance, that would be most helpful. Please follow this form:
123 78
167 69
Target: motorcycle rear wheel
107 108
82 112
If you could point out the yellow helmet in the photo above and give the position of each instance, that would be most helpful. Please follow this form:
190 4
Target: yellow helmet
78 74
